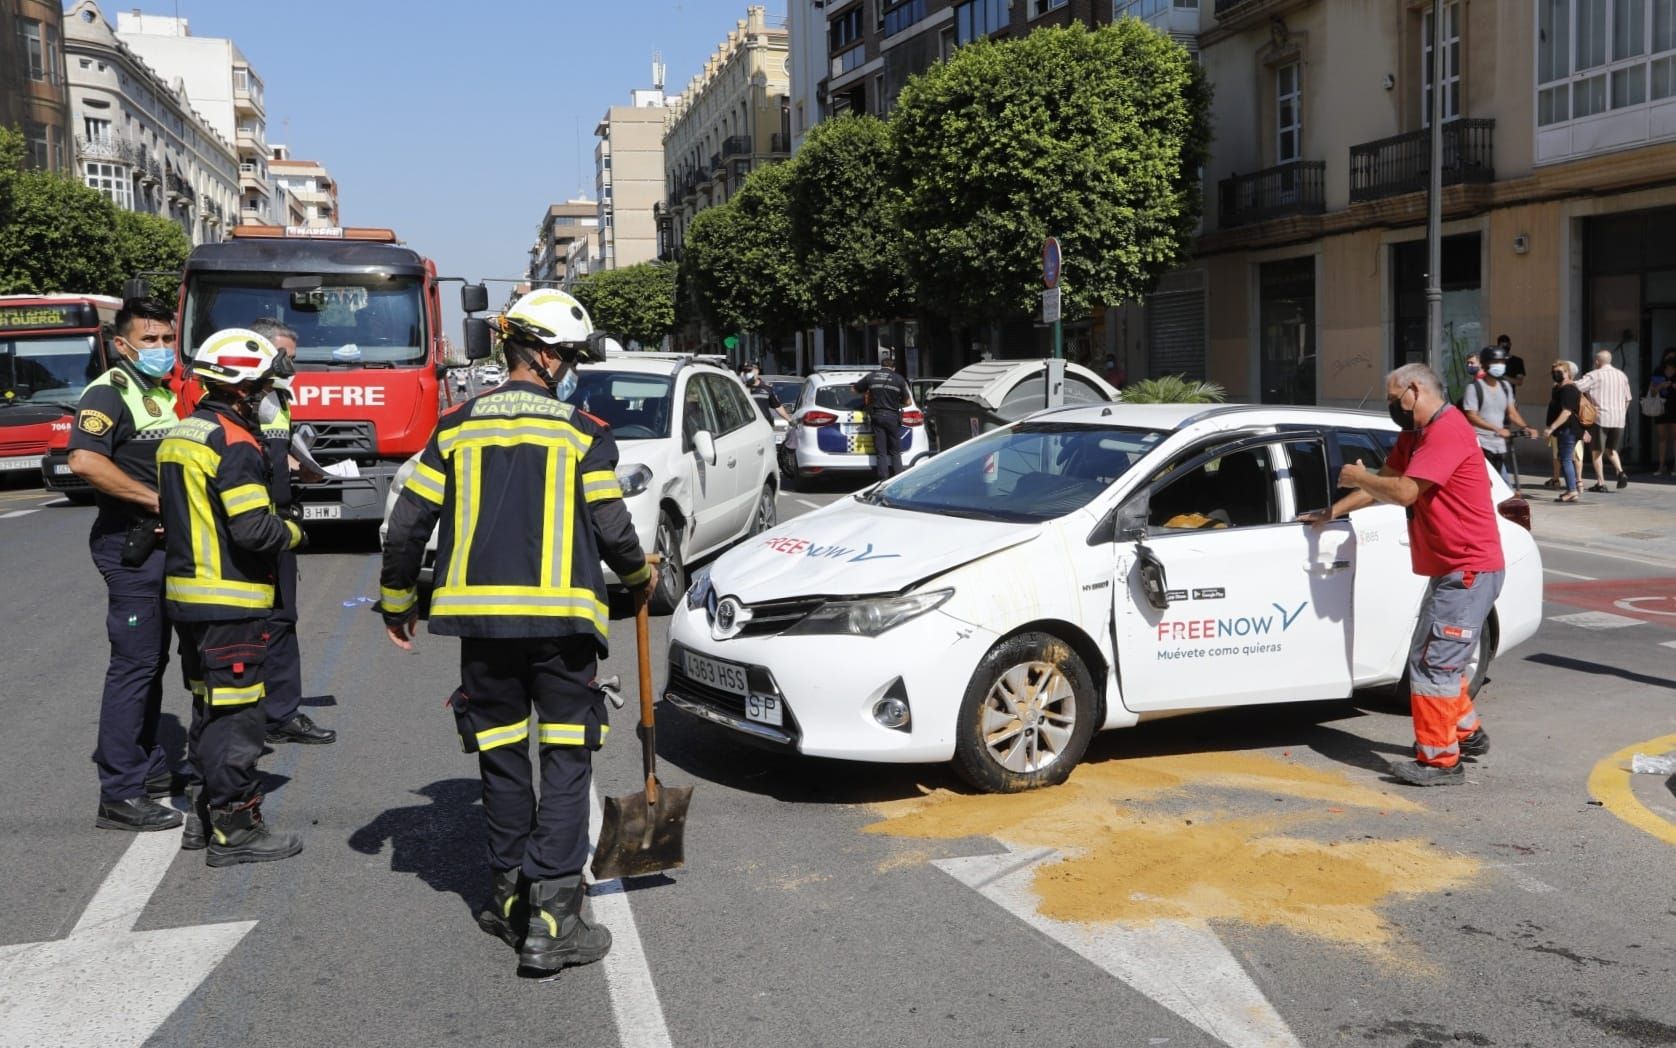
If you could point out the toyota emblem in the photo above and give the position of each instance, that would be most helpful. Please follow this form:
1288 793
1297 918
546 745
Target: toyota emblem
726 612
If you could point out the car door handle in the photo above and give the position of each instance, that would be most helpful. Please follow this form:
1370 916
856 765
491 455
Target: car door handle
732 463
760 452
1325 565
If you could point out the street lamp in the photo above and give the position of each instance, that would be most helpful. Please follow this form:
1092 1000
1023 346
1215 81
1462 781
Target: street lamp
1434 203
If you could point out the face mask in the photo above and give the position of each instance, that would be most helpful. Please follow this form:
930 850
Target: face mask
155 361
1472 369
1402 416
563 387
750 376
1557 376
1498 370
268 412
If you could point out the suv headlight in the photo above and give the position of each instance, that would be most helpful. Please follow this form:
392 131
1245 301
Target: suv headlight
698 592
869 616
633 480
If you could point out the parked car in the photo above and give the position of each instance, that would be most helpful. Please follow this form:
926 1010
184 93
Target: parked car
830 433
695 458
1087 568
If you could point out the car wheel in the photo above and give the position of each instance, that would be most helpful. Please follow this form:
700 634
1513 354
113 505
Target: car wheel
672 571
1027 716
767 513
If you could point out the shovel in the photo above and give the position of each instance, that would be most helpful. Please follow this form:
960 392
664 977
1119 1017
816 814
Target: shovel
644 832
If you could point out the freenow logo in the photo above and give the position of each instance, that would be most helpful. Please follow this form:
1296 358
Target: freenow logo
1233 626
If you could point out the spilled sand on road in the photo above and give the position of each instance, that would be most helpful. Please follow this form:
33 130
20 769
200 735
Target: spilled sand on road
1128 860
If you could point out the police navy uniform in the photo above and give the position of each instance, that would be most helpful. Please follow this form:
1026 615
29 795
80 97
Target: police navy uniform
524 490
223 540
124 416
887 392
283 672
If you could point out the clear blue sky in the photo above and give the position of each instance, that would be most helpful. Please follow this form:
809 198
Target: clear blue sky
456 124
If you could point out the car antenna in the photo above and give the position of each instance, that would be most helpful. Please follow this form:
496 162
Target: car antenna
1368 394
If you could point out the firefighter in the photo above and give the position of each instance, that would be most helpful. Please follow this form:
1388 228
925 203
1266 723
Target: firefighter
525 489
224 540
283 672
123 416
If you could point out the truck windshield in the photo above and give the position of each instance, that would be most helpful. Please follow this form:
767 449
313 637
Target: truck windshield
46 369
341 319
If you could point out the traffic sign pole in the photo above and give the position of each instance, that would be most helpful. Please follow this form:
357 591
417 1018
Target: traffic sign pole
1053 265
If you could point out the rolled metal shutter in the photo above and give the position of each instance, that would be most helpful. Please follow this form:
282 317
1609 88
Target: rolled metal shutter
1175 333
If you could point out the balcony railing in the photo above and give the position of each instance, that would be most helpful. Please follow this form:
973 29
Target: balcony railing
1297 188
715 167
779 142
1402 163
1224 8
903 15
737 145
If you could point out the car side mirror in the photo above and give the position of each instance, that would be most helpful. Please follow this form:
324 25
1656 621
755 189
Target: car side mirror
705 445
1126 523
1154 582
477 338
474 298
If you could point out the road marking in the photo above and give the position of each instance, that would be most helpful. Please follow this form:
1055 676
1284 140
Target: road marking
1180 964
105 983
1634 604
634 997
1667 644
19 513
1609 784
806 502
1642 561
1597 620
1571 575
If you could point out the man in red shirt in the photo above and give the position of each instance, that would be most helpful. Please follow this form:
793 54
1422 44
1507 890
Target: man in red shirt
1437 472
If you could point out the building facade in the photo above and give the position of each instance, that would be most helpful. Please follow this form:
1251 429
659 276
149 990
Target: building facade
561 228
34 92
308 187
223 87
629 177
139 140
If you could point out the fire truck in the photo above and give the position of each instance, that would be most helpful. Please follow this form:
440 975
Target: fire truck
51 347
370 366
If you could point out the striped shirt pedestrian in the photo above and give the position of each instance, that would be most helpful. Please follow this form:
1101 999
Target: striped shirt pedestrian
1609 388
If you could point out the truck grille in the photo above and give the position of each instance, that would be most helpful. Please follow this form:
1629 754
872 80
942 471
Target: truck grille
341 440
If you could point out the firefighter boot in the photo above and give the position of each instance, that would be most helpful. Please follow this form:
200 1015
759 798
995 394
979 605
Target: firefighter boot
196 835
507 912
239 835
558 936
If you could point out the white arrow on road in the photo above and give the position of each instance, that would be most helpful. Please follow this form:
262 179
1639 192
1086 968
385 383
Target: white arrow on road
1180 964
105 983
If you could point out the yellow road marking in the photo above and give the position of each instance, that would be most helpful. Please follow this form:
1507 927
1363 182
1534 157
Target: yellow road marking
1609 784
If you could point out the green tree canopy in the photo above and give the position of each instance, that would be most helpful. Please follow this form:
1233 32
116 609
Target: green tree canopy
739 257
150 244
843 227
636 302
1093 136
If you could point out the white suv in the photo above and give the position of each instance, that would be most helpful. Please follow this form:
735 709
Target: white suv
695 457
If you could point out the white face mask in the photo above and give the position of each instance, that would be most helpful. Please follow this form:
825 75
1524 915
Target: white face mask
268 411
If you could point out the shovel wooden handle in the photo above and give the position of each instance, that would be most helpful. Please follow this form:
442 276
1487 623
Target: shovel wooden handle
648 724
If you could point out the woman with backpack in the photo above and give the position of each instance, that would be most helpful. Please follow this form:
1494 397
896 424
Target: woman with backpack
1565 424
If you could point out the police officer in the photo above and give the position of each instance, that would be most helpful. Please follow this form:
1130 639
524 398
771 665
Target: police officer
887 393
283 671
525 488
767 400
123 416
224 539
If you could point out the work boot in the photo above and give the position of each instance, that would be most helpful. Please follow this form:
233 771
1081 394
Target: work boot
1416 774
196 835
558 936
136 815
507 911
300 728
239 835
1475 745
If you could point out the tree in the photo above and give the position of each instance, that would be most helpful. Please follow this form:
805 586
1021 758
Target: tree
843 222
57 235
744 274
636 302
1093 136
150 244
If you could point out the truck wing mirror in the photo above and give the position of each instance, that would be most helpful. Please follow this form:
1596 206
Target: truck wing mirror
474 298
136 287
477 338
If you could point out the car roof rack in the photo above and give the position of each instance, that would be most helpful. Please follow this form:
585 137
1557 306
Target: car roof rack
681 360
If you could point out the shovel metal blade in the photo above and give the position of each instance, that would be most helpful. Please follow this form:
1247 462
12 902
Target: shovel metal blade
637 839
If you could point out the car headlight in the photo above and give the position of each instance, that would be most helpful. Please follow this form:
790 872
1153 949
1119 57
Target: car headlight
698 592
633 479
869 616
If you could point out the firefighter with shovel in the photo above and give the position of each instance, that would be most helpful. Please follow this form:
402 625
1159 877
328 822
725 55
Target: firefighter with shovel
525 490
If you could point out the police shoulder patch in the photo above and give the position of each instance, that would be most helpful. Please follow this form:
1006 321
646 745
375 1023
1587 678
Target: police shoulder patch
94 422
118 379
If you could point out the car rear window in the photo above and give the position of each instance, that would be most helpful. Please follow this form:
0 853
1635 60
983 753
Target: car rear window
839 396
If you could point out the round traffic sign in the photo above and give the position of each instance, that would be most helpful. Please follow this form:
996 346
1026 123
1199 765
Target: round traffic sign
1051 262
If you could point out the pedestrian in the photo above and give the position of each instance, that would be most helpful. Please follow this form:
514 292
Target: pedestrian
224 541
761 392
1491 406
1609 388
1565 425
1437 472
885 393
1515 363
519 581
1114 373
123 416
1663 386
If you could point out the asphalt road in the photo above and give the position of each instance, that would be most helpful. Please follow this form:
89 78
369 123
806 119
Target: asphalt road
1253 863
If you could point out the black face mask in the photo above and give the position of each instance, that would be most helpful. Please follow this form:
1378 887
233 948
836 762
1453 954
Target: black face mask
1402 416
1557 376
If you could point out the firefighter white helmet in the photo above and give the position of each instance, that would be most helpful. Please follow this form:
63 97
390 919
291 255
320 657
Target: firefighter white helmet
550 317
235 357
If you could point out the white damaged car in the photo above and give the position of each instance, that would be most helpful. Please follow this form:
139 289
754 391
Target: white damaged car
1087 568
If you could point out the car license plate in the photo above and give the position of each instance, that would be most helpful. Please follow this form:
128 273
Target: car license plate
23 462
61 470
765 709
724 676
327 511
863 443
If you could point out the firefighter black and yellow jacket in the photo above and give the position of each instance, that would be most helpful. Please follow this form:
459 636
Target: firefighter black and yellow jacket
221 533
523 488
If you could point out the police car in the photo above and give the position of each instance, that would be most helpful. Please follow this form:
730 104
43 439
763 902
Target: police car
830 432
1087 568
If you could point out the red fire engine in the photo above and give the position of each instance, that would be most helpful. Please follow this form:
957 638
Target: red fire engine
51 347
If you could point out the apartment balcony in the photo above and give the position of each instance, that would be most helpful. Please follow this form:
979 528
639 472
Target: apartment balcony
250 182
1235 14
114 149
738 145
249 138
247 103
213 215
1297 188
1402 163
716 170
779 144
181 193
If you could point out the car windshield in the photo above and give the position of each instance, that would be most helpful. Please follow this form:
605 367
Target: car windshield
635 405
840 395
787 389
1032 472
47 369
341 319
